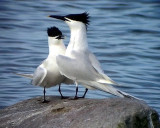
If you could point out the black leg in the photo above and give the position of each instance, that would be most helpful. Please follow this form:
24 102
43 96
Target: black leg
62 97
85 93
44 96
76 97
59 89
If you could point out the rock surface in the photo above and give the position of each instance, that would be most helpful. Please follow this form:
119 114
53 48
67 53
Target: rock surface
81 113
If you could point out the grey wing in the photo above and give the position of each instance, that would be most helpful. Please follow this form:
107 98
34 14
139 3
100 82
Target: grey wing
63 69
39 75
95 63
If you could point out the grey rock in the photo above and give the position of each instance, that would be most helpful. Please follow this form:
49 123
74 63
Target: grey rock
81 113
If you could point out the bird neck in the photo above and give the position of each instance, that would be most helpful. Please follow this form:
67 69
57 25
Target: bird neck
78 39
56 47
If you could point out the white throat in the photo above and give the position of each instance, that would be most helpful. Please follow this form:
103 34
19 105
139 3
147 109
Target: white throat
78 39
56 46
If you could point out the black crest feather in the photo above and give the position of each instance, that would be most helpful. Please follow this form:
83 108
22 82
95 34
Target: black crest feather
54 32
83 17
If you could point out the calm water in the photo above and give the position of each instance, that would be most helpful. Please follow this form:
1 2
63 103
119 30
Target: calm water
124 35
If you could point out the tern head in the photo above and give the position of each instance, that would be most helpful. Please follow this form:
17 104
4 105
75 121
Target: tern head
55 33
74 20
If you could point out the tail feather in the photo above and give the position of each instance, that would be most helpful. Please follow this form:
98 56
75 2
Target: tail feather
25 75
104 85
128 95
109 89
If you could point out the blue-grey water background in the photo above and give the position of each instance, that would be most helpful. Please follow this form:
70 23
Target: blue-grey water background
124 35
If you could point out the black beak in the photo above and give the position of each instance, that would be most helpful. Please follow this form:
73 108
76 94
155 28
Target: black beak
57 17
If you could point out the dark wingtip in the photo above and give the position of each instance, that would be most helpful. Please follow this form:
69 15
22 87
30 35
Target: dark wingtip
54 32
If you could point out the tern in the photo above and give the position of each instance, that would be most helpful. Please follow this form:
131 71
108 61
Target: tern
81 65
47 73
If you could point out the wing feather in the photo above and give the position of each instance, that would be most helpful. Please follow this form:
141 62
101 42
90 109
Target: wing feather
39 75
95 63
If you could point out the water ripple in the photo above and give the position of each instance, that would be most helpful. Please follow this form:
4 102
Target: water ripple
123 35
